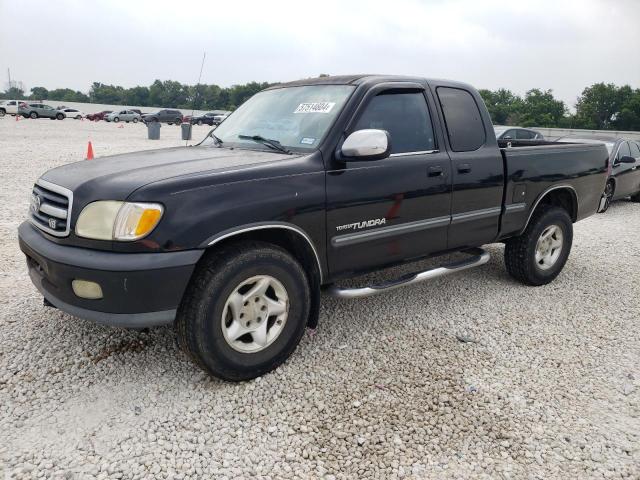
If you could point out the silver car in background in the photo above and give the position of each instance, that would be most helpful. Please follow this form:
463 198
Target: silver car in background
123 116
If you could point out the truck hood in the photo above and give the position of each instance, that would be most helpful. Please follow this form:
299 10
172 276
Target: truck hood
117 176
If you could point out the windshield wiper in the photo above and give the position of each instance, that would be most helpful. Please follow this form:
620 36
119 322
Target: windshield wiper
265 141
217 141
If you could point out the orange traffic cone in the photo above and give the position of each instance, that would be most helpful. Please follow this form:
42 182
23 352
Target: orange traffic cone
89 151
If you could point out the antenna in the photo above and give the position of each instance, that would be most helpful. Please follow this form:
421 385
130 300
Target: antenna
195 97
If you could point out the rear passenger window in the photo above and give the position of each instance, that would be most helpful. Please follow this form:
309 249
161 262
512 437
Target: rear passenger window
405 116
624 151
462 118
524 134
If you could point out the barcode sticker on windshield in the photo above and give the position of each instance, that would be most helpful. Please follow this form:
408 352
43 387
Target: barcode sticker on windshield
315 107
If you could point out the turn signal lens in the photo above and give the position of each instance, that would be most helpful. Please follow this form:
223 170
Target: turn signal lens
136 220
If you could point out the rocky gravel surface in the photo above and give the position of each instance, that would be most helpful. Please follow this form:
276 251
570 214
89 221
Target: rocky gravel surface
469 376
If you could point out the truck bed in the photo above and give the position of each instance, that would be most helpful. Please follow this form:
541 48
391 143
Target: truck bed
534 167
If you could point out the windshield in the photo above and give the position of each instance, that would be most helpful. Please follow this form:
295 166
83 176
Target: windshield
294 117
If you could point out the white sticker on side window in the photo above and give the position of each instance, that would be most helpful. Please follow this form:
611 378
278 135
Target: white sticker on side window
315 107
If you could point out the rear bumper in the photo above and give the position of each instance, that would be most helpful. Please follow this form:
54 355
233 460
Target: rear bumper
139 289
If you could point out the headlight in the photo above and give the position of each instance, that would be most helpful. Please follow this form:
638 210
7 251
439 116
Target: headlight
124 221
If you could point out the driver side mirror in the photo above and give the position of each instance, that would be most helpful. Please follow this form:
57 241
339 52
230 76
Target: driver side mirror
626 159
367 144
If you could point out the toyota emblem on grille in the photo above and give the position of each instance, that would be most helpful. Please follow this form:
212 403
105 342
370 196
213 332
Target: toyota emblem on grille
35 203
52 223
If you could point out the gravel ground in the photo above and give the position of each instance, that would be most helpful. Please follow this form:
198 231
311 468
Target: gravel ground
471 375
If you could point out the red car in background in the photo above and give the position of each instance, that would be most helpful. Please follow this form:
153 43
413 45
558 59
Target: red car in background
99 115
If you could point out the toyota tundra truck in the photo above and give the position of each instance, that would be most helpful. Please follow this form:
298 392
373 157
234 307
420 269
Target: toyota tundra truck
234 241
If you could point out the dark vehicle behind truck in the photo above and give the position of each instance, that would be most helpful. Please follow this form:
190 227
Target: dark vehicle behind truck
305 184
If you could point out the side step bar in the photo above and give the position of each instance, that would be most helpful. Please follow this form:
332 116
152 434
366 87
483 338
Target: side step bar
478 257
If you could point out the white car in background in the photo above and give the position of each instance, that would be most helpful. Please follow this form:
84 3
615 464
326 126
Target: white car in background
73 113
10 107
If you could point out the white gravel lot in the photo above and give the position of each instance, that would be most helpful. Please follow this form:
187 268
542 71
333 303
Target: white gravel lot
546 383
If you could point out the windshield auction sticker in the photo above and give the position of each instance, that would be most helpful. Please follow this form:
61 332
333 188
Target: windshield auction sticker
315 107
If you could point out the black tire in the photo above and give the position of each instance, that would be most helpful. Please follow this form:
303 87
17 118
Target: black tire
520 252
609 190
199 325
116 119
135 120
635 198
59 116
3 112
33 115
199 122
178 121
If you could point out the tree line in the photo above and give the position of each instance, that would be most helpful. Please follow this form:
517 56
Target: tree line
600 106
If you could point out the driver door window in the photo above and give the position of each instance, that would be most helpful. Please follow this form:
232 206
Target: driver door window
405 116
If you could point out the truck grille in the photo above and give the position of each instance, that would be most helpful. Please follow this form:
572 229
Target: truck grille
50 208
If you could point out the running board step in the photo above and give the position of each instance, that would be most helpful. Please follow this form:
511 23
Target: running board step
478 257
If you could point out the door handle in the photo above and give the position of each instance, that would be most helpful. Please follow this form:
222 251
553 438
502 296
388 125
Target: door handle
435 171
464 168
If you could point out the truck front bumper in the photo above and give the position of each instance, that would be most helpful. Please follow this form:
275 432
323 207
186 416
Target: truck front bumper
138 289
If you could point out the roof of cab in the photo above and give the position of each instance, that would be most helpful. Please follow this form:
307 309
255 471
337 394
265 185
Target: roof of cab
364 78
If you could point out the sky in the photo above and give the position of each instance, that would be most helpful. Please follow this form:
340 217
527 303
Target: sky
563 45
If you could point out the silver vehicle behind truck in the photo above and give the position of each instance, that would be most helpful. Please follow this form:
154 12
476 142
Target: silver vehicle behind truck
123 116
38 110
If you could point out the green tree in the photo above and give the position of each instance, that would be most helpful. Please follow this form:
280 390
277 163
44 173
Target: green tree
138 96
503 106
541 109
39 93
109 94
597 106
13 92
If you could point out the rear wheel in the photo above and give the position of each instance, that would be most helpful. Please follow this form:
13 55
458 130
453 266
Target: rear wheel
59 116
135 120
245 310
538 255
178 121
609 189
2 112
33 115
116 119
199 122
78 117
636 197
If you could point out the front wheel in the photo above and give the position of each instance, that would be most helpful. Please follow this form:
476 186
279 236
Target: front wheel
538 255
60 116
135 120
33 115
244 311
116 119
199 122
178 121
608 196
2 112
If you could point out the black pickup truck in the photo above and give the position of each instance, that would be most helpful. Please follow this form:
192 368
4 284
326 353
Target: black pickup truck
307 183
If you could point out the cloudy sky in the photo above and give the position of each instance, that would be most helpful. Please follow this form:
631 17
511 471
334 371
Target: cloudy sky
563 45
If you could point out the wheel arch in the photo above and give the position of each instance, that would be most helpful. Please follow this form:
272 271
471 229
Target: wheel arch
563 196
292 239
